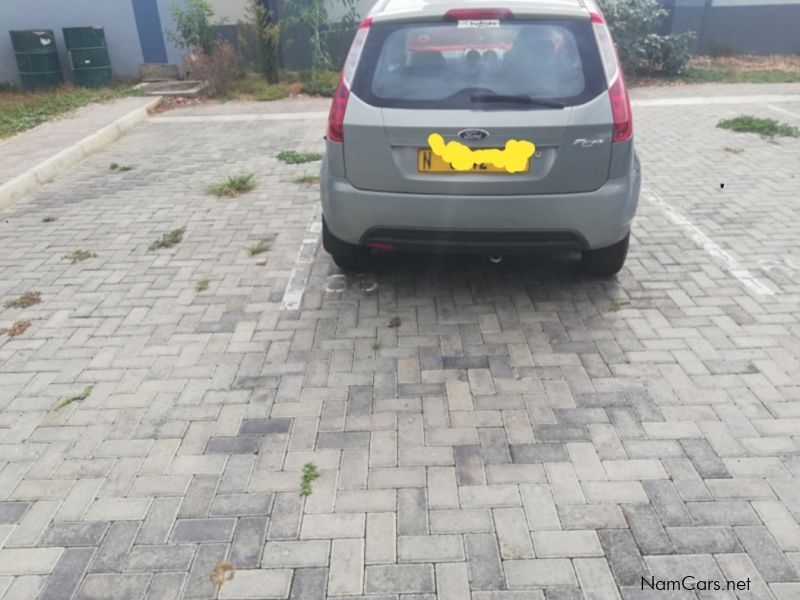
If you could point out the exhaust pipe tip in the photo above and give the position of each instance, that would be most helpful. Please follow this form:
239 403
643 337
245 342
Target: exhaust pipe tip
496 258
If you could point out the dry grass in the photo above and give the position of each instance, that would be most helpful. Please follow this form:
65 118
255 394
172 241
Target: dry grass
27 299
730 69
80 256
17 328
76 398
22 110
222 572
749 63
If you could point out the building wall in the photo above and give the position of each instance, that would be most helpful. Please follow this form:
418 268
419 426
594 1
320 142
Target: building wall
738 26
116 16
231 10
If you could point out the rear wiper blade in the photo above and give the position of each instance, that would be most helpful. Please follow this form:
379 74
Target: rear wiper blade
510 98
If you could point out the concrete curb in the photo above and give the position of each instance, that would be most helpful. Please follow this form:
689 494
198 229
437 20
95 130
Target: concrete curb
47 170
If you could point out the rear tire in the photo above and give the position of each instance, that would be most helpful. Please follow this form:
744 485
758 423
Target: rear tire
347 257
606 262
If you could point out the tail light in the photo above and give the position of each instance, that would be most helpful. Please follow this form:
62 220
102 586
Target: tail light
342 93
617 91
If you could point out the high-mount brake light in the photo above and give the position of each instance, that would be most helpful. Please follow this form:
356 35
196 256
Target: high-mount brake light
342 93
617 91
597 18
479 14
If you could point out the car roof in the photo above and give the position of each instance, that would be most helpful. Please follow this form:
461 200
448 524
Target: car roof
403 10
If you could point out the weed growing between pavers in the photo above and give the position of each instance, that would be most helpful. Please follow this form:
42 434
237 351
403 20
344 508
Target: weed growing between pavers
307 179
258 248
768 128
618 304
80 256
27 299
120 168
76 398
310 473
48 219
201 285
376 345
222 572
169 239
17 328
731 150
297 158
233 185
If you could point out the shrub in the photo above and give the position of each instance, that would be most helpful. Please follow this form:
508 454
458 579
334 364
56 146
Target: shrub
261 35
322 84
217 69
635 25
195 29
313 20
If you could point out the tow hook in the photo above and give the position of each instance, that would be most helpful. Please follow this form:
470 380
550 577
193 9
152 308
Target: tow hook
496 258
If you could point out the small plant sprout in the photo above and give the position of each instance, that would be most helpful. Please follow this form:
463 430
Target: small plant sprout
731 150
201 285
169 239
48 219
376 345
234 185
80 256
113 166
310 473
258 248
76 398
27 299
307 179
120 168
618 303
297 158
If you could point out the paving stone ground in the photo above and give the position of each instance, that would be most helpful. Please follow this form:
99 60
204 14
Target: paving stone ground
526 432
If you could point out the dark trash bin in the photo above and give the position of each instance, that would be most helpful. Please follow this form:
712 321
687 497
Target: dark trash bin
88 55
37 59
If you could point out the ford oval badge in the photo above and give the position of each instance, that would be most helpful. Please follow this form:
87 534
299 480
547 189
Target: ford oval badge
472 135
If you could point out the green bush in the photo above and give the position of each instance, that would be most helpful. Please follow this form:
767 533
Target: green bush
322 84
260 33
635 25
194 25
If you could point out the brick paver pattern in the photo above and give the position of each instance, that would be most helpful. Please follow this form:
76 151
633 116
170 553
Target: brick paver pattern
522 432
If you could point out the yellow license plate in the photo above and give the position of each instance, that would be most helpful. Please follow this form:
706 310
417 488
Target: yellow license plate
428 162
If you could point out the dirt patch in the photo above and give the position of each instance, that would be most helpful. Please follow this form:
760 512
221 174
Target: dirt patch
172 102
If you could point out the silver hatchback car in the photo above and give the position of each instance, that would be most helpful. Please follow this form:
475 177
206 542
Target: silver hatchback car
495 127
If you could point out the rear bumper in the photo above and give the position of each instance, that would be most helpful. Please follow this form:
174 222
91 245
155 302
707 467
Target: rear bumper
481 223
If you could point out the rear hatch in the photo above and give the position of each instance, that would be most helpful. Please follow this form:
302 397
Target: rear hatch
481 82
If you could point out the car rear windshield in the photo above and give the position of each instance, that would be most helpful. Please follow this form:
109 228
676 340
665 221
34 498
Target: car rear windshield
458 64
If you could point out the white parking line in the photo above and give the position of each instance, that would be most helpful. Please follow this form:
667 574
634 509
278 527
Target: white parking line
747 279
784 111
690 101
298 279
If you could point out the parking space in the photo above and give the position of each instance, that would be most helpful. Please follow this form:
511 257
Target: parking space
496 430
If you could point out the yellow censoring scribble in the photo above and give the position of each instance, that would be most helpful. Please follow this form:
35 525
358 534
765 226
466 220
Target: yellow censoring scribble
513 158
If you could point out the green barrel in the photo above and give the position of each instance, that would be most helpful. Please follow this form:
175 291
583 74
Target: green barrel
88 55
37 59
